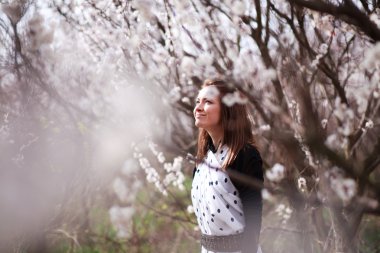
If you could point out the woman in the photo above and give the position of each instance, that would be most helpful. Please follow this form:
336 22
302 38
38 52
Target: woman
228 211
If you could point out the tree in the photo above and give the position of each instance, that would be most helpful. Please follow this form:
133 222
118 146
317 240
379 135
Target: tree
309 70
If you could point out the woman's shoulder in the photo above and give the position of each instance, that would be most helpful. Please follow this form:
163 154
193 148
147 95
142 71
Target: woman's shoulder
249 152
248 161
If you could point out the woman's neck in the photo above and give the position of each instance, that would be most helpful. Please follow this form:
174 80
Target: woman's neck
216 137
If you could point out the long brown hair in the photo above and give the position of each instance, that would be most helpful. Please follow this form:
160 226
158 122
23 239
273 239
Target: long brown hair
236 123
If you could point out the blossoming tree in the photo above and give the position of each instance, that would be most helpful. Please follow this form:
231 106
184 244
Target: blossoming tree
308 69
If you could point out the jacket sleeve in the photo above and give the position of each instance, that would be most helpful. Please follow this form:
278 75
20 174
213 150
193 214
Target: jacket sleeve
251 166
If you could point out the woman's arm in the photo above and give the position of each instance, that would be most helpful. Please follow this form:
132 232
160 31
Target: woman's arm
249 163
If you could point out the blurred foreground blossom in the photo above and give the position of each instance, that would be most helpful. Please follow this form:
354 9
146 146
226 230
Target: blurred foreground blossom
300 69
234 98
121 218
266 195
264 128
129 167
120 188
284 212
345 188
276 173
190 209
212 92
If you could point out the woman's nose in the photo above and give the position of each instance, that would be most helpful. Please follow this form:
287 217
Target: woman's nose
198 107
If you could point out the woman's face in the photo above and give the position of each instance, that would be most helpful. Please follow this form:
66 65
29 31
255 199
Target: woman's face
207 109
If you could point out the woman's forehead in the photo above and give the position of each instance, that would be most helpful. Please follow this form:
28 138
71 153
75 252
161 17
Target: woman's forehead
209 92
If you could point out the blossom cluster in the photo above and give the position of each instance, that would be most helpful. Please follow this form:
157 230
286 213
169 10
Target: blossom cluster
345 188
284 212
276 173
173 171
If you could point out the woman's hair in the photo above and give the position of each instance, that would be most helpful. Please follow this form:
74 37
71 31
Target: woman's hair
236 123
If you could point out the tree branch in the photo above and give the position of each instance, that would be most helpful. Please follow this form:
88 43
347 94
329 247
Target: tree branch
347 12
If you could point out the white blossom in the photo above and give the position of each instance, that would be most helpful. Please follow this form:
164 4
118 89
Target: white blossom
369 124
134 41
174 174
266 195
332 141
276 173
231 98
264 128
169 178
211 91
286 38
324 123
188 65
344 188
145 9
175 94
181 5
121 218
284 212
372 57
190 209
120 188
315 62
325 23
186 100
302 184
129 167
161 157
334 173
269 75
204 59
374 17
238 8
323 48
346 129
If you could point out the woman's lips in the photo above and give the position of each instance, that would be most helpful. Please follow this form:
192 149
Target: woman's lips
199 115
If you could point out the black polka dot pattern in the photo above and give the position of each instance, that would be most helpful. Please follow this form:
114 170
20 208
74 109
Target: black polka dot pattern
215 198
